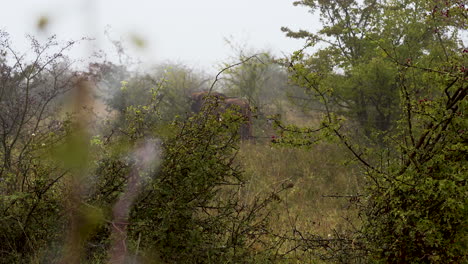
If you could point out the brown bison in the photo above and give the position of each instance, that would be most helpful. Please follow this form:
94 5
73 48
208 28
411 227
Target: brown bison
238 104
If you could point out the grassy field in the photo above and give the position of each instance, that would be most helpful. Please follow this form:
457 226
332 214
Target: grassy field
315 175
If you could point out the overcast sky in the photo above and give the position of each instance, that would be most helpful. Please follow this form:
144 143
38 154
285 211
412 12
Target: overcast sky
188 31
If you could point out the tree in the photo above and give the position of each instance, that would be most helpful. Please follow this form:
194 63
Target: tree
352 68
31 92
259 79
416 205
171 84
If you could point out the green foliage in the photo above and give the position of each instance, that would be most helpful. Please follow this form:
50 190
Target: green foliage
263 82
421 215
191 212
361 41
418 206
405 67
168 87
250 78
30 179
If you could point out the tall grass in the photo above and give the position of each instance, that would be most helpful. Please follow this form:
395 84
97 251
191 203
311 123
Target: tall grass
317 176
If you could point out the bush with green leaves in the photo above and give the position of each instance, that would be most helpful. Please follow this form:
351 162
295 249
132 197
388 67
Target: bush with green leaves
32 87
191 211
172 84
415 208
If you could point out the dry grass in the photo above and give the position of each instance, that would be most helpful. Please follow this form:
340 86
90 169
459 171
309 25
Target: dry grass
314 174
